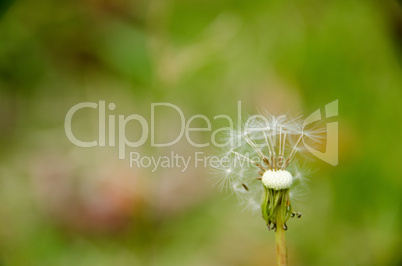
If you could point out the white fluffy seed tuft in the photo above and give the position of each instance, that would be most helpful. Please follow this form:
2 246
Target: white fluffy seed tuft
277 180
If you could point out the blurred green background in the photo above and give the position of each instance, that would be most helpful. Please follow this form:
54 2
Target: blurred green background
64 205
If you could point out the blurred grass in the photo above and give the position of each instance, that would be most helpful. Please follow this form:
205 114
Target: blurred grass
203 56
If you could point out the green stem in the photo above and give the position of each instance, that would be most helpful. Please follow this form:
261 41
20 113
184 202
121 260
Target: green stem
281 251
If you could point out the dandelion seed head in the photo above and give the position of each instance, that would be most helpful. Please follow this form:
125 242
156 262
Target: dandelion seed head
263 153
